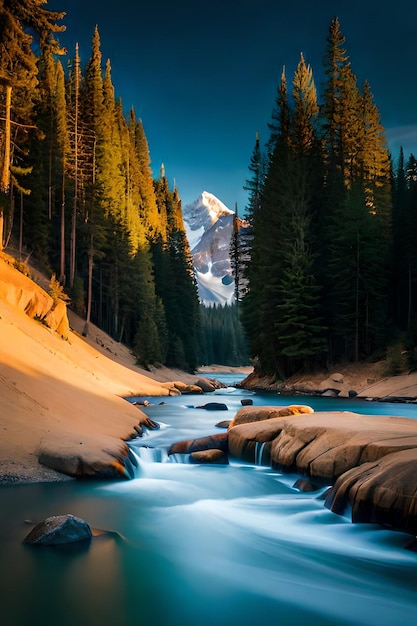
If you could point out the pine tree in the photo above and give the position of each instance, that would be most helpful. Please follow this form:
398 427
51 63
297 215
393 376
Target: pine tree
298 323
265 264
20 24
74 157
175 281
148 208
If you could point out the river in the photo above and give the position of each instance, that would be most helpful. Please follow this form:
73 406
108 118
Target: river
199 545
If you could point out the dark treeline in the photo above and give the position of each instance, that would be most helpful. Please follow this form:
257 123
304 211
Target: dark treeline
77 192
332 270
223 340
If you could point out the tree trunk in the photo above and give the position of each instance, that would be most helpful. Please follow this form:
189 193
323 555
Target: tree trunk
5 174
62 258
90 289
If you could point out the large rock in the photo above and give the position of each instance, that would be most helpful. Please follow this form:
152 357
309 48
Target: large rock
208 385
58 530
211 442
185 388
90 457
213 406
371 460
382 492
260 413
213 457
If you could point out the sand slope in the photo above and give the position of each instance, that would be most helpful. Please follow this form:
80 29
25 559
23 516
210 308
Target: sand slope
59 393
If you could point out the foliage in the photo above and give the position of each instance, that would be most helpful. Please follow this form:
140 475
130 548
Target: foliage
95 215
320 261
327 272
21 267
222 337
395 360
56 291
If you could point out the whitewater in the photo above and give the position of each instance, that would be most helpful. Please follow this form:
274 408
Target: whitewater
232 545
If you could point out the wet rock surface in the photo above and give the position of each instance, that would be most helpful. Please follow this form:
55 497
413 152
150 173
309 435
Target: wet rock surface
370 460
58 530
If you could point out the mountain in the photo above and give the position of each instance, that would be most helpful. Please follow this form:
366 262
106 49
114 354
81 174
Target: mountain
209 228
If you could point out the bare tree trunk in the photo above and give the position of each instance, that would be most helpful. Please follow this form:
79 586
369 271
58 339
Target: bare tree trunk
62 260
21 227
74 211
90 289
5 174
357 304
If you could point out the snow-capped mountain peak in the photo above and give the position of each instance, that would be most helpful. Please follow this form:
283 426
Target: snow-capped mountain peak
209 227
200 215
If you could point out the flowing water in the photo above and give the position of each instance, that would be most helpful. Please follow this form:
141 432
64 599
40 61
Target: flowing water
199 545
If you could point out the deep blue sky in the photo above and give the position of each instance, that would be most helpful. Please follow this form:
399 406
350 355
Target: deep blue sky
202 76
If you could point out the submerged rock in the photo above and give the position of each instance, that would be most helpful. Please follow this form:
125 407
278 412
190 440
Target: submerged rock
213 406
58 530
223 424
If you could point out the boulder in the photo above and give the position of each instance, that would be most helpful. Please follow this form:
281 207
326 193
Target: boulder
246 402
304 485
256 414
58 530
184 388
331 393
90 457
223 424
370 460
380 492
211 442
211 456
213 406
208 385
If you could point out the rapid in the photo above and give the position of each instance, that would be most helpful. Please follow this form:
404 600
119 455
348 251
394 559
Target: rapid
200 545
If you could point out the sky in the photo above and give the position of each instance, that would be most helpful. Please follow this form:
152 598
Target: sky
203 76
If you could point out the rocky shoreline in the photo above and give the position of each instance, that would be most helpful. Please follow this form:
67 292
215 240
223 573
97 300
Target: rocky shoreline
366 381
64 413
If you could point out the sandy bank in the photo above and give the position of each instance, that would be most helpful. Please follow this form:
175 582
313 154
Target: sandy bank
64 394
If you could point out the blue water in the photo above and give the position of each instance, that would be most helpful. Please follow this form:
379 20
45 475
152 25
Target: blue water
203 545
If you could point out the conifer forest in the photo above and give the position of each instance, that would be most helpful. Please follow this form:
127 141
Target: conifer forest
328 273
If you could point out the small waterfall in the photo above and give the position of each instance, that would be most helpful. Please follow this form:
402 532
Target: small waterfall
147 454
179 458
259 452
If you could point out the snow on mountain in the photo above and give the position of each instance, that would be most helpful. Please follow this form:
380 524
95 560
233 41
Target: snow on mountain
209 228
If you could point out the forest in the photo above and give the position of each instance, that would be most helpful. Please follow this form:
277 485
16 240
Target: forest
78 193
328 273
331 271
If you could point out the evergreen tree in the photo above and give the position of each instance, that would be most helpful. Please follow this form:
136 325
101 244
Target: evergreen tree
223 341
20 24
265 264
149 211
358 185
74 126
298 323
175 281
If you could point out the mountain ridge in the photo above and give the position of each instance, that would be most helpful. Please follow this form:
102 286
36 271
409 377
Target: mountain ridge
209 228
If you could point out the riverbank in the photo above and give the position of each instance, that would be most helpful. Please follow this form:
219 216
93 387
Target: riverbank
64 395
363 380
